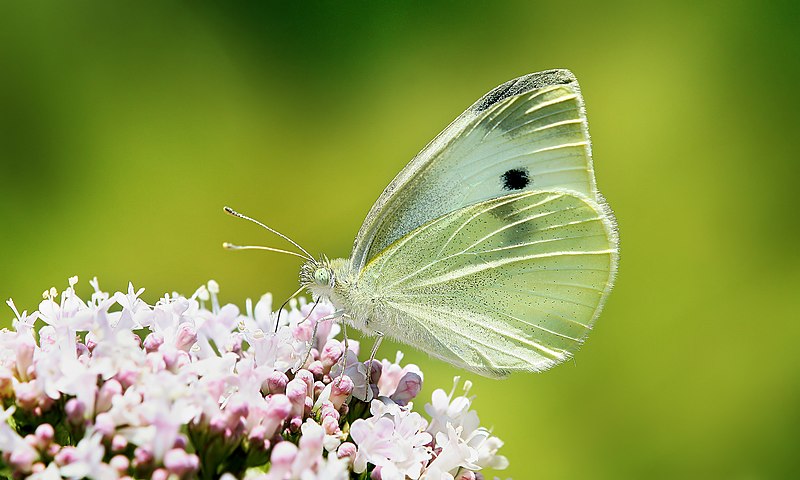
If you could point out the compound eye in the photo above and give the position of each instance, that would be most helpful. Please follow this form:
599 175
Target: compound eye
322 276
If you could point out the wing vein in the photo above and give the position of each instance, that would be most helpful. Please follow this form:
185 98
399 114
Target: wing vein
473 269
540 348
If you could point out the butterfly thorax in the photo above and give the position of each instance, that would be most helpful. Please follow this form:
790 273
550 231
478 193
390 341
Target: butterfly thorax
336 281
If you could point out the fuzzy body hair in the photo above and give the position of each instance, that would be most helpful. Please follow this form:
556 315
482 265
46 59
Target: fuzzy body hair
363 310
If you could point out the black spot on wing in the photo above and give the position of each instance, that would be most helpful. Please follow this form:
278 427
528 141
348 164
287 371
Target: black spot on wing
515 179
523 84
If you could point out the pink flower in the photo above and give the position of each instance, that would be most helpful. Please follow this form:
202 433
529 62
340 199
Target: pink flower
454 453
392 373
394 438
87 460
208 384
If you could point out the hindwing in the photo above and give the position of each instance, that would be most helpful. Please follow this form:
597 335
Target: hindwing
511 283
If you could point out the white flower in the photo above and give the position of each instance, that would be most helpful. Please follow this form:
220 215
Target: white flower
22 323
486 446
76 379
88 460
176 389
261 319
447 410
276 349
133 307
391 373
216 328
394 438
459 437
331 468
455 453
52 472
10 440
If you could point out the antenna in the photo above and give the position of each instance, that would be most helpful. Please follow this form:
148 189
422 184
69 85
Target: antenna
230 246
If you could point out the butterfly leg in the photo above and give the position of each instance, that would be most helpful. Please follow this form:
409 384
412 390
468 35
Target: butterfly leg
372 356
309 316
329 318
346 346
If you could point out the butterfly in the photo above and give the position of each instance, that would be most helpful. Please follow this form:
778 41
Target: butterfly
492 249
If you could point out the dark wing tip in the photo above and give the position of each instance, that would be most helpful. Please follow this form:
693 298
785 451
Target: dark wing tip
524 84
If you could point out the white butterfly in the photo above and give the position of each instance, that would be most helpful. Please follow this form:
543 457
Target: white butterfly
492 249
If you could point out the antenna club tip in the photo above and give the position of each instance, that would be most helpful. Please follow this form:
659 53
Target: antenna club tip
228 246
228 210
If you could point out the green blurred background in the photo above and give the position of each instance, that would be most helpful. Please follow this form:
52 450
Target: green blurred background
126 126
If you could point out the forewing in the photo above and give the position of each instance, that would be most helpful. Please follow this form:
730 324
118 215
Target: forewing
512 283
528 134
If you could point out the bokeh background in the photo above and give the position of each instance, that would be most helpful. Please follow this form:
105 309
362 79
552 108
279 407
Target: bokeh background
126 126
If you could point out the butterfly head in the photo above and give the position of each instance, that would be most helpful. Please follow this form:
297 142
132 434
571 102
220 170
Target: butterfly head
325 278
318 277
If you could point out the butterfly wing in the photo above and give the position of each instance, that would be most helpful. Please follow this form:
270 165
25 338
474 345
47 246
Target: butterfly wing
512 283
528 134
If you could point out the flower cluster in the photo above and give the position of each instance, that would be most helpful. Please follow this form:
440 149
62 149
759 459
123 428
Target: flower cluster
112 387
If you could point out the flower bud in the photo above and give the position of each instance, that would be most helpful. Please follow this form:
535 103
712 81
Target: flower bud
331 353
218 424
104 424
160 474
83 350
282 457
171 358
375 370
342 388
328 410
294 424
278 410
65 456
466 475
44 435
346 450
331 426
180 463
120 463
296 391
318 388
25 350
75 410
186 337
142 456
153 342
181 441
118 443
126 378
21 459
407 388
257 435
105 396
307 378
317 369
376 474
276 382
